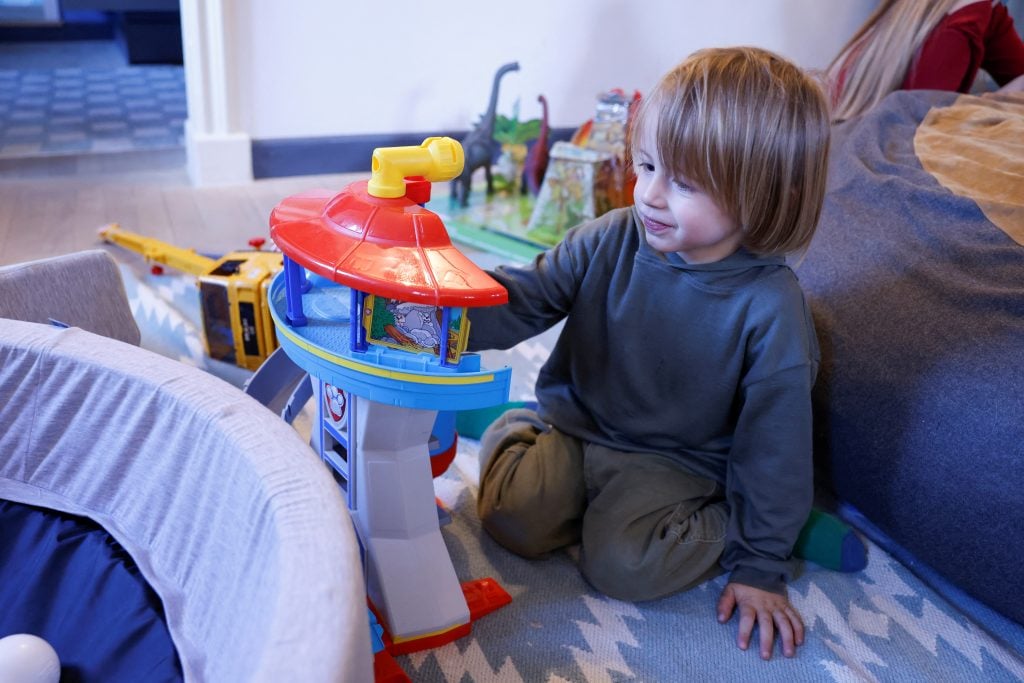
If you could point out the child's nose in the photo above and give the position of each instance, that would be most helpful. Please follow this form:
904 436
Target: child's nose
654 193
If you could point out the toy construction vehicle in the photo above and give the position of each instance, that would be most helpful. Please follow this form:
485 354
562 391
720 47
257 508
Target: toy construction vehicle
237 327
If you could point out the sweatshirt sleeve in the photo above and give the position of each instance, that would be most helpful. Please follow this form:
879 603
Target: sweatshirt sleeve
1004 49
978 35
769 476
539 295
950 56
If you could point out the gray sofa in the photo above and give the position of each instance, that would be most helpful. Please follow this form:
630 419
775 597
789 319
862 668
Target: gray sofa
918 295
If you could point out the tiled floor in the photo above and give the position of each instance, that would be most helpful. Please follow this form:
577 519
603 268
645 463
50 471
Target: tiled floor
60 110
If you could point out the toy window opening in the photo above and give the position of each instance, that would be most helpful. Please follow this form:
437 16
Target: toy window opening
229 267
357 340
216 309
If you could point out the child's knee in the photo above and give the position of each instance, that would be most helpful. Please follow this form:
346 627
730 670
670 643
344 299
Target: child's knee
514 510
626 576
524 531
639 565
616 575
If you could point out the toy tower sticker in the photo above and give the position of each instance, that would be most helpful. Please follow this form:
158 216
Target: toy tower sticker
416 328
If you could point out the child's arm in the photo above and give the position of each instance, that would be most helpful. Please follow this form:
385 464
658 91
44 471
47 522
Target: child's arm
539 294
770 611
769 476
530 309
769 479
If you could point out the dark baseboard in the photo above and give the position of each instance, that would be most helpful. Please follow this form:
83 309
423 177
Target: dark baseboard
275 158
312 156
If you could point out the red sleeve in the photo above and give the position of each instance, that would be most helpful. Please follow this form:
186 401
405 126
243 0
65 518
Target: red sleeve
1004 49
952 53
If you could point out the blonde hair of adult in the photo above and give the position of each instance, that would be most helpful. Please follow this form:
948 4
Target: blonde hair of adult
876 59
751 130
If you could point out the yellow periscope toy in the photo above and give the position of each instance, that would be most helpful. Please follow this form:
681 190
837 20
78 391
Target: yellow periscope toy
436 159
237 327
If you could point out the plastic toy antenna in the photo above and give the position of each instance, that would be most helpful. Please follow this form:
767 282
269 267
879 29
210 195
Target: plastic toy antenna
437 159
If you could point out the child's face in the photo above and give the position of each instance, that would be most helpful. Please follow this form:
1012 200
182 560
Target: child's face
676 215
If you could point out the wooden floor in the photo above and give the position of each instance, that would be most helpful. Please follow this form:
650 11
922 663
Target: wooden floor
51 206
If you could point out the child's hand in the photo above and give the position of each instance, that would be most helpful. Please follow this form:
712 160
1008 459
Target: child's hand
769 611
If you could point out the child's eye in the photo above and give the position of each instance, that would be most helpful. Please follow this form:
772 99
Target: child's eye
645 166
682 185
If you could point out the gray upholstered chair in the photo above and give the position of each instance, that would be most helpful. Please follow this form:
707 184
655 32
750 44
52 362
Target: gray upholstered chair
228 513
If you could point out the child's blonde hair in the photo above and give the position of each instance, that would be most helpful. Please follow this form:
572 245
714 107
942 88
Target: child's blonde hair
876 59
751 130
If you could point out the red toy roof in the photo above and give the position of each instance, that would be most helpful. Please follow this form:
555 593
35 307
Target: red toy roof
389 247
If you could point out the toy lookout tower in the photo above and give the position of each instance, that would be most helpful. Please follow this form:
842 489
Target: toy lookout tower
372 303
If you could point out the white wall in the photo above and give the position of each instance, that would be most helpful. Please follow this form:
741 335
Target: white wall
339 67
316 68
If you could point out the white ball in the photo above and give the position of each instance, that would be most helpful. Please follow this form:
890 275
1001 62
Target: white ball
25 658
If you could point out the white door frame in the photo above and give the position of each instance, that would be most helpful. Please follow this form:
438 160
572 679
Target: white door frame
219 151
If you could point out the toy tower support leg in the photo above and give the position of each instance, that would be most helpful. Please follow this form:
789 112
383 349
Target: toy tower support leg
295 283
409 574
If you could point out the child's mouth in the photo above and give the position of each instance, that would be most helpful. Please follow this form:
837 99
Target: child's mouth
655 227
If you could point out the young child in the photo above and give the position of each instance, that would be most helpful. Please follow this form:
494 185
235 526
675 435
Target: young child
673 435
925 45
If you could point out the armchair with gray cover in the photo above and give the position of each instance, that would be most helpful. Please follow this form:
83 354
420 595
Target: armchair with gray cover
229 515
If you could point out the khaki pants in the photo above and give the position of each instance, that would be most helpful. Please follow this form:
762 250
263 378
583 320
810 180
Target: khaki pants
646 527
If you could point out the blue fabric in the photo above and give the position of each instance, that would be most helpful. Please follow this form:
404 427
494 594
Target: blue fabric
919 304
65 579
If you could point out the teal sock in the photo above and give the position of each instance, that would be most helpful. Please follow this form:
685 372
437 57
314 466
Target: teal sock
829 542
473 423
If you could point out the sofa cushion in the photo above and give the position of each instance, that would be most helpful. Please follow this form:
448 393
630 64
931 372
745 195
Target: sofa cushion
919 305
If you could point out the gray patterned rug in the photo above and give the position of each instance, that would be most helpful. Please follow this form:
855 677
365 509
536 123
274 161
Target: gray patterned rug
882 624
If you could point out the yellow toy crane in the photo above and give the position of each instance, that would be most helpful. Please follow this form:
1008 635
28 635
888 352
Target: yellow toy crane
237 327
